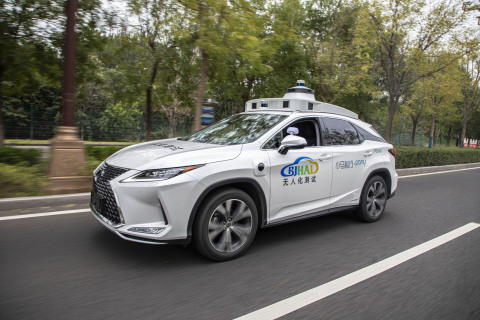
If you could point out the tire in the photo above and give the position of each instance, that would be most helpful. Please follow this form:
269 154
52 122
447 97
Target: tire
225 225
373 200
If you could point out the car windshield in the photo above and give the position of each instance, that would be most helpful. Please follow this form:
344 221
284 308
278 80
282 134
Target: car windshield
237 129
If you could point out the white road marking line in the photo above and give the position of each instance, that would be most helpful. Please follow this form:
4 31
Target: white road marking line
303 299
71 195
44 214
439 172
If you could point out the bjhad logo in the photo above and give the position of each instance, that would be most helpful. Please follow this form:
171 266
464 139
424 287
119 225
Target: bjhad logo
308 166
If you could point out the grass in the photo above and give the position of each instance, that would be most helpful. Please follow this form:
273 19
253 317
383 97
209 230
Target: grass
20 180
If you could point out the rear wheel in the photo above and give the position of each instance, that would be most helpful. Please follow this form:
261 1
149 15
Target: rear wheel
373 200
226 225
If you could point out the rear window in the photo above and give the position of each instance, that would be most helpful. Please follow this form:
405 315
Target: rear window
367 135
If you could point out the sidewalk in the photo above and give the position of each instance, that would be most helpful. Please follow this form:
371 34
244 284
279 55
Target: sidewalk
411 171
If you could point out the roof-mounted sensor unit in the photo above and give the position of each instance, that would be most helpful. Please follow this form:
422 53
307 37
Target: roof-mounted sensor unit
299 98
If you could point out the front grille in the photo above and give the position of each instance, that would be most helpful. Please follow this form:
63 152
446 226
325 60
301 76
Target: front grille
102 187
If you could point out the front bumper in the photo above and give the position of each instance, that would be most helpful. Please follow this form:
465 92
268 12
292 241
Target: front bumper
122 231
132 236
154 212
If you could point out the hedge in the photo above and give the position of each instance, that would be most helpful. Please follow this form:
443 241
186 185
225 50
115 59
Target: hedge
413 157
16 156
100 153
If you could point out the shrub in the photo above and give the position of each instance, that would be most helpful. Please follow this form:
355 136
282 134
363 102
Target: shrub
412 157
21 181
16 156
90 165
103 152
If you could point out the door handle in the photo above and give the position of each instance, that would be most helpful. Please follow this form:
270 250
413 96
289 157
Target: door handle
368 154
325 157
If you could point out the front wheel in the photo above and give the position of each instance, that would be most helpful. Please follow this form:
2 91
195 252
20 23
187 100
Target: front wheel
226 225
373 200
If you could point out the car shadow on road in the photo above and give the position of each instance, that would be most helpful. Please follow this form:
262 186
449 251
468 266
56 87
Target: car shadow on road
165 256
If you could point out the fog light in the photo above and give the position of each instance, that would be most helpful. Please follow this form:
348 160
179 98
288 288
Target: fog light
149 230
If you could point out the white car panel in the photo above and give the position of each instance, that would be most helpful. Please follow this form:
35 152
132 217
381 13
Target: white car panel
300 183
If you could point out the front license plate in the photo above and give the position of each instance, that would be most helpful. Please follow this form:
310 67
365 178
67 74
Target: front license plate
97 201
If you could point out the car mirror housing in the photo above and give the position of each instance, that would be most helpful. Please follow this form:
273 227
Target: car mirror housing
292 142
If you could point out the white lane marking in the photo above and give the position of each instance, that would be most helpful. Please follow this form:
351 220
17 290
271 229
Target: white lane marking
71 195
440 172
44 214
303 299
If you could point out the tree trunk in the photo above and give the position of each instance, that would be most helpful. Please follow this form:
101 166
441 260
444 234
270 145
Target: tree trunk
414 129
2 136
202 84
464 131
432 131
449 136
69 54
392 106
148 112
149 91
172 122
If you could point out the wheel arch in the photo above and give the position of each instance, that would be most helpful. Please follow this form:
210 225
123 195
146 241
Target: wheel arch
249 186
385 174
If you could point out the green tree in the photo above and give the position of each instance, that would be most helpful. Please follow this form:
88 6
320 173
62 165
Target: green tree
219 27
470 86
118 122
405 33
264 56
31 37
174 90
26 57
289 59
433 96
340 55
158 21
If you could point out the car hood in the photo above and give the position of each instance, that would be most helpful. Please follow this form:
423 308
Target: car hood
171 153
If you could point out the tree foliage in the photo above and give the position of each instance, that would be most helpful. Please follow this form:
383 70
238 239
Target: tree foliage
397 63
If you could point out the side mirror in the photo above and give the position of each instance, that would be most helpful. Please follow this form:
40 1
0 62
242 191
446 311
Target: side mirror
292 142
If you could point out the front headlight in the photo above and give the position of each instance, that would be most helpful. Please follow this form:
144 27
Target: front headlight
159 174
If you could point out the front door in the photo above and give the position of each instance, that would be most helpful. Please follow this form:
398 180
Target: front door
300 180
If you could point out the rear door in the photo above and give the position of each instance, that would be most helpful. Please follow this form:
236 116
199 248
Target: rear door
351 161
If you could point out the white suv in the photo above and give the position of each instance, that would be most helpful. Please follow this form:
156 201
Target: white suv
283 160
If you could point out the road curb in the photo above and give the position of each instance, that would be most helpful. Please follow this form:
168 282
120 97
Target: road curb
420 170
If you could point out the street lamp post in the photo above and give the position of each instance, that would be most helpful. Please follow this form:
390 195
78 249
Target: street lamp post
66 172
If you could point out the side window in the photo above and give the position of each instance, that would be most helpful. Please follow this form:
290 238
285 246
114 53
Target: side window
274 142
340 132
367 135
307 128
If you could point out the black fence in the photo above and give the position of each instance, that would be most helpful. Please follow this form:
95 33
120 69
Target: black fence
91 129
131 127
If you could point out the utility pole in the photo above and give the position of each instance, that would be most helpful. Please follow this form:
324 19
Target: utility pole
66 172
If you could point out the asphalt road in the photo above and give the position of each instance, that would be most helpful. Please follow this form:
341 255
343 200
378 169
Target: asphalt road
70 267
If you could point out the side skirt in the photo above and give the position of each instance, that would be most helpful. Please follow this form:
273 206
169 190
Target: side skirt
311 215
